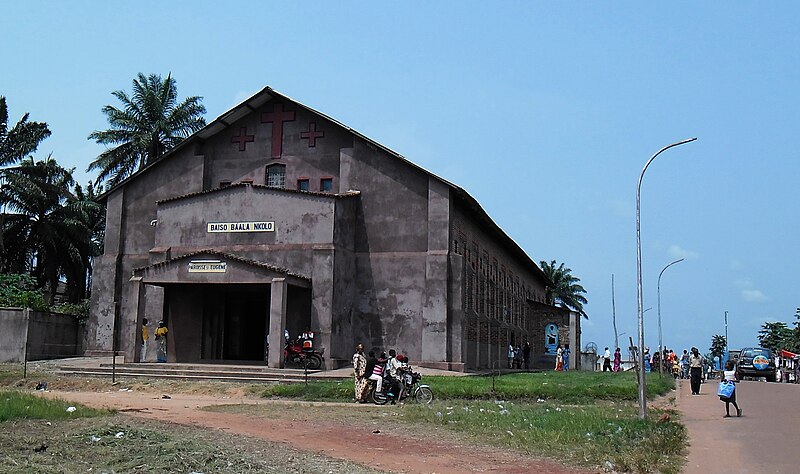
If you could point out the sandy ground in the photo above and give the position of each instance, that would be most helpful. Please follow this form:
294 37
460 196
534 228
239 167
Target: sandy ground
386 450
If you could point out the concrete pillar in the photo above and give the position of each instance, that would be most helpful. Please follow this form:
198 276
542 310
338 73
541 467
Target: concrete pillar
574 349
277 321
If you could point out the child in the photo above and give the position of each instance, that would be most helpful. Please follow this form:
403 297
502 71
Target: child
730 375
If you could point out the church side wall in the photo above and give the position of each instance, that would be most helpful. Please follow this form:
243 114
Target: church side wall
496 287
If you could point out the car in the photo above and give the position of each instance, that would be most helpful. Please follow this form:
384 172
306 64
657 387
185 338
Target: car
756 362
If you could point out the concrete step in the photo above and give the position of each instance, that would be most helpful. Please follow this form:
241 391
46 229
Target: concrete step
227 374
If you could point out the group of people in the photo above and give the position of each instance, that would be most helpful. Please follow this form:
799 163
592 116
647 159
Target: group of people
606 360
161 341
380 369
519 357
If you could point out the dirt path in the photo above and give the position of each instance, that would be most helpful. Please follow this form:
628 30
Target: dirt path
387 450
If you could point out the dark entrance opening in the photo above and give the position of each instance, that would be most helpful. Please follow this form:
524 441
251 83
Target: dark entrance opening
235 320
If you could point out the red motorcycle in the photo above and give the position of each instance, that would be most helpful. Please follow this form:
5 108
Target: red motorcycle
301 352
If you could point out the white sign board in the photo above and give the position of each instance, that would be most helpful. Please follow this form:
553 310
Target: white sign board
253 226
207 266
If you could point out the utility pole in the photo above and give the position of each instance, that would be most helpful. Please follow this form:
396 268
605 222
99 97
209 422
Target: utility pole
614 313
726 335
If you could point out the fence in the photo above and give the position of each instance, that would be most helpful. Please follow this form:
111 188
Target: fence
34 335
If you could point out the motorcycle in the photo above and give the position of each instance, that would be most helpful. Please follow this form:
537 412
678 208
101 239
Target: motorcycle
409 386
301 352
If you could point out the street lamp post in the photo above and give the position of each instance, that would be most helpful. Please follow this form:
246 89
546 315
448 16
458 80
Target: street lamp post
640 305
660 365
726 335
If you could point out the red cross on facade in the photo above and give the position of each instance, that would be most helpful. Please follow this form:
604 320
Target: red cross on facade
243 138
312 134
277 117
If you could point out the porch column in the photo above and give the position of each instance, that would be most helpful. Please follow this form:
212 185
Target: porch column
277 322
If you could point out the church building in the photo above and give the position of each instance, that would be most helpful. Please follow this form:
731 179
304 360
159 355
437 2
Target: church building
277 217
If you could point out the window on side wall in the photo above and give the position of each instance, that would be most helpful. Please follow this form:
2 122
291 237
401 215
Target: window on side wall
302 184
276 176
326 185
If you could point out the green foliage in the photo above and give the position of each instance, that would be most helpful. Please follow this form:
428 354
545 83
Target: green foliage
775 336
150 122
22 139
718 344
19 291
79 310
566 288
17 405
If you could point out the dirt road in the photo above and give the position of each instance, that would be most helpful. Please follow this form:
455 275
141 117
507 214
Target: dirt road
763 440
389 450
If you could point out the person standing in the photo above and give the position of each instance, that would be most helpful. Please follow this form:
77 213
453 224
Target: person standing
565 357
696 370
161 341
359 371
559 361
729 376
145 337
526 354
510 356
617 360
606 360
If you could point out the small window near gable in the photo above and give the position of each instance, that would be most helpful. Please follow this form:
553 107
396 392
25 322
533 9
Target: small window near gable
224 184
326 185
246 181
302 184
276 176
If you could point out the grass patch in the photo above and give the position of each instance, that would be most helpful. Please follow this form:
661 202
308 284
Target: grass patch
568 387
16 405
593 435
117 444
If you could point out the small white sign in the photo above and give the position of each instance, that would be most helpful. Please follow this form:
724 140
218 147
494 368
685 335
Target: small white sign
207 266
253 226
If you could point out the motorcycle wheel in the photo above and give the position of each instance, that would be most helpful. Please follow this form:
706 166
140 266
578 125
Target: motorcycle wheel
313 362
378 398
423 395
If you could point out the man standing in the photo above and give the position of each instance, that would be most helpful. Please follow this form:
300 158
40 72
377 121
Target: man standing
607 360
145 337
696 368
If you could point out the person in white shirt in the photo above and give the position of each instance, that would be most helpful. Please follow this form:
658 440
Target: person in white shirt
730 375
607 360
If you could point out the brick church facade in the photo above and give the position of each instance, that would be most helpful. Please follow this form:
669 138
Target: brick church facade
275 216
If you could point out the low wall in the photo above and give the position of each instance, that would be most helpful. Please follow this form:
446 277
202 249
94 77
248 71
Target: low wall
47 335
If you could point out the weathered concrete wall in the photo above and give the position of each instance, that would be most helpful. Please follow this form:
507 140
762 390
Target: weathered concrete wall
47 335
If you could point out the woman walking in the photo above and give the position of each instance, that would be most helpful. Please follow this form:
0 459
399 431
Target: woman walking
729 376
161 340
359 369
617 360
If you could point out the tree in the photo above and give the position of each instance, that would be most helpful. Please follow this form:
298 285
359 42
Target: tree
774 336
149 123
566 289
718 345
43 228
22 139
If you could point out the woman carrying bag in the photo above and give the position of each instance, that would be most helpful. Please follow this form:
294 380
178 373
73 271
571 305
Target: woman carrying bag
727 389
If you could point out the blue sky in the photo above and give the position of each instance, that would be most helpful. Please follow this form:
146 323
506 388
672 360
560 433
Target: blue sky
545 112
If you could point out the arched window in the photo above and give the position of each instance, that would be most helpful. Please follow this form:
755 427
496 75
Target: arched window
276 176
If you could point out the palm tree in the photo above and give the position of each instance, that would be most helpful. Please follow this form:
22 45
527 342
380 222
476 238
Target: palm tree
24 138
43 229
150 122
566 289
718 345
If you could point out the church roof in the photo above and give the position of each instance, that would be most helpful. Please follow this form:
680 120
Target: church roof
265 95
261 186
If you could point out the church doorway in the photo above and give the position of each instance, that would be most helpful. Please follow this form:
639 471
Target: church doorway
235 321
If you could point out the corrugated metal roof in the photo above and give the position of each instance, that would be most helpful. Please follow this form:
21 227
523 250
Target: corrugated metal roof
227 256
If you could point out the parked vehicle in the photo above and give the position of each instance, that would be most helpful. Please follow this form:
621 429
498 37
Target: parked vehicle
301 352
756 362
410 386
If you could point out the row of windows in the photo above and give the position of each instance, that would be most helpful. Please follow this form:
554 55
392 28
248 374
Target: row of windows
490 290
276 178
